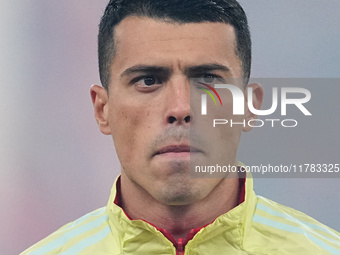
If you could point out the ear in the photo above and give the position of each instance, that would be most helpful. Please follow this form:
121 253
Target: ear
99 98
257 99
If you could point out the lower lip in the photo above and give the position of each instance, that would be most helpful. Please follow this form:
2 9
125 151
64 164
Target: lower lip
177 154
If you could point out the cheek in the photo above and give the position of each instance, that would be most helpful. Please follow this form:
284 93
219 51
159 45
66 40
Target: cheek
221 140
123 125
129 129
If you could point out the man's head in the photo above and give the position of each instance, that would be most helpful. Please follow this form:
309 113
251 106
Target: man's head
147 66
173 11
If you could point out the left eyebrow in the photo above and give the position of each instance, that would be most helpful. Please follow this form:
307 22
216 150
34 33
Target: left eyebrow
205 68
146 69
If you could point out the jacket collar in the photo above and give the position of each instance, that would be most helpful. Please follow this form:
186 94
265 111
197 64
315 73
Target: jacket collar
233 224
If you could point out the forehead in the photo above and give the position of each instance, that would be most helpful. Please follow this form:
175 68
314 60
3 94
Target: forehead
144 39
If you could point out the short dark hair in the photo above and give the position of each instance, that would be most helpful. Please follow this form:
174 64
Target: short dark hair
179 11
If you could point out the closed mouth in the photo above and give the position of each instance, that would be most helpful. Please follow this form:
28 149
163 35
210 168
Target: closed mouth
176 149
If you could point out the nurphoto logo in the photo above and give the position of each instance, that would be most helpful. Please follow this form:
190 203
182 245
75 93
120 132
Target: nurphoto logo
238 102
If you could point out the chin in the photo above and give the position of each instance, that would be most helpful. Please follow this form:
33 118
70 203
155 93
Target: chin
179 193
177 199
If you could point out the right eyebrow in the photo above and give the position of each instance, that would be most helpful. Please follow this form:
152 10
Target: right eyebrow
160 70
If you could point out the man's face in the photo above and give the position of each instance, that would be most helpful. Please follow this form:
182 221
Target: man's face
148 105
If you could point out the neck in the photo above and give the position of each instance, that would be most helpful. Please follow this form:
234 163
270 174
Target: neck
178 220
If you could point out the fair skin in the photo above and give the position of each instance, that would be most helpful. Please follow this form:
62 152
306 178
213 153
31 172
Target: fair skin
147 112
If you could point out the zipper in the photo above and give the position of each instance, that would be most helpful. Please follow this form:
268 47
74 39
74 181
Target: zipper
180 247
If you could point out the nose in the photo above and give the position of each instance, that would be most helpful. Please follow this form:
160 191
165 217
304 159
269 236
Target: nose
177 103
173 119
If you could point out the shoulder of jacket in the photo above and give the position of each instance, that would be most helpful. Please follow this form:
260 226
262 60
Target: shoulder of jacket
71 234
279 224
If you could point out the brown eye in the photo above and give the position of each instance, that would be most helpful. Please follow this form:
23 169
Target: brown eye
149 81
209 78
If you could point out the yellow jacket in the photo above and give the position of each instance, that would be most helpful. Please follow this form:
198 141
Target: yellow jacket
256 226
